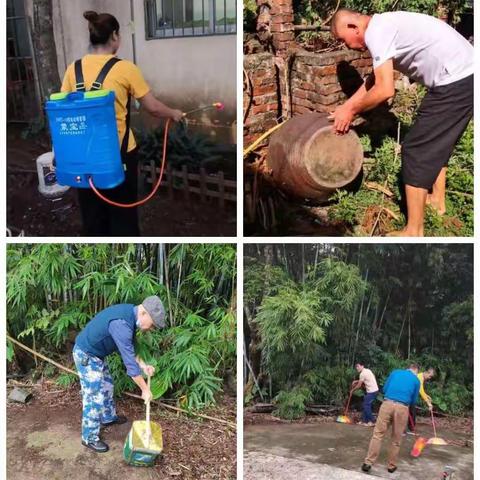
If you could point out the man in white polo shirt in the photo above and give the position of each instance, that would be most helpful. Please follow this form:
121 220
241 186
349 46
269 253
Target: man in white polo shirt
433 54
367 379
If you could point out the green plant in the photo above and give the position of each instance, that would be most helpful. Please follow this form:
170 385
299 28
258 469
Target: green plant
249 15
290 405
54 290
66 380
184 147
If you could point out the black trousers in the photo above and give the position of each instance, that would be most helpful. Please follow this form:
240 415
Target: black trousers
101 219
412 418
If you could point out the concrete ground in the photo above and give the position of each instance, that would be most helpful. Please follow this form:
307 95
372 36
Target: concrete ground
333 450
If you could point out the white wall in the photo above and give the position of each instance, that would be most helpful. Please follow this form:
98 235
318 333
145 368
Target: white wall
183 72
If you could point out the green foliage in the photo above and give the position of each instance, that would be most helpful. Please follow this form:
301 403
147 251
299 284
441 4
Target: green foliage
313 11
10 351
184 147
387 305
290 405
294 318
66 380
383 167
249 15
54 290
329 384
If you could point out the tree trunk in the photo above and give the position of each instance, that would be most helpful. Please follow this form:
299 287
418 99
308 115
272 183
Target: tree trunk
359 320
44 45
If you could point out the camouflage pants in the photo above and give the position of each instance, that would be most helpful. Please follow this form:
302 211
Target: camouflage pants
97 394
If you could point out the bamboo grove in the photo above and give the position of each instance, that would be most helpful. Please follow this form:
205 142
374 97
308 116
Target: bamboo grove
312 311
54 289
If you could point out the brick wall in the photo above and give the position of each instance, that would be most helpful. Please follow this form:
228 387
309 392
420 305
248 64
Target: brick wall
263 111
319 82
282 24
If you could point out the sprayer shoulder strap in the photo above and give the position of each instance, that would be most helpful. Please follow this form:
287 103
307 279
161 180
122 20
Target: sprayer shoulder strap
79 82
98 83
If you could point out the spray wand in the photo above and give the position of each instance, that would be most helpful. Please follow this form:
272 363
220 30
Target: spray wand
217 105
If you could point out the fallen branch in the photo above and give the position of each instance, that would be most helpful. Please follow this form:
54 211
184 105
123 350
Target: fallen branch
379 188
176 409
463 194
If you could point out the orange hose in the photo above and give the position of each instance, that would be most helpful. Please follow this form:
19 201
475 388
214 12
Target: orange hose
155 188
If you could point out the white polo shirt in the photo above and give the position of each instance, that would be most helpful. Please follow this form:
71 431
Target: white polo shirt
424 48
368 378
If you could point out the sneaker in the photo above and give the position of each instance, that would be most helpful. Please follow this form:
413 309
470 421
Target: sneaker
366 467
370 424
97 447
409 432
391 469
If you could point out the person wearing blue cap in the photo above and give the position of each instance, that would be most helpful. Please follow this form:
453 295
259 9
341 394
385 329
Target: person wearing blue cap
112 330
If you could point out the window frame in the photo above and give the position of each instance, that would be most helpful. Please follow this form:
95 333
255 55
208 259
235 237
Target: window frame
151 19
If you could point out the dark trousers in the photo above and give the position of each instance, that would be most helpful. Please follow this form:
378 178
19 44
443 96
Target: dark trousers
367 406
412 418
101 219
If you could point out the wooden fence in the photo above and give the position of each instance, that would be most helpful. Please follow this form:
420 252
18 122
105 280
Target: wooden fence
201 184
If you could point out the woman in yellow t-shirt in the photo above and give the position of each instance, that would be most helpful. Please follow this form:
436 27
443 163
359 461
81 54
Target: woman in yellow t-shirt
125 79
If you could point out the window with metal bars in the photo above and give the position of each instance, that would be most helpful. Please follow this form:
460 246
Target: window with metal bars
190 18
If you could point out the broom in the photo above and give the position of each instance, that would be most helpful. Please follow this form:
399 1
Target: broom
435 440
344 418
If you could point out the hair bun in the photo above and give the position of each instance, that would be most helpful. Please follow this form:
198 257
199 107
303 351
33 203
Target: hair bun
90 15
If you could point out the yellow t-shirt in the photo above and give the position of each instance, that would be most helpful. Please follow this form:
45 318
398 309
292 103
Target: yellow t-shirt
124 78
426 398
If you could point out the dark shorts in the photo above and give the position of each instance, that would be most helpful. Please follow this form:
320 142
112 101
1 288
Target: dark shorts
441 120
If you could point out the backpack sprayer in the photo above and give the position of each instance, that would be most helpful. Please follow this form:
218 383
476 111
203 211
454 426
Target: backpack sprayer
85 140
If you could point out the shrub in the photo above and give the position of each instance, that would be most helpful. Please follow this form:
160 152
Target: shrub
290 405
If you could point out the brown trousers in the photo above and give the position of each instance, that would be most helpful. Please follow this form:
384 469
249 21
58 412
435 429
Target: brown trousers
390 413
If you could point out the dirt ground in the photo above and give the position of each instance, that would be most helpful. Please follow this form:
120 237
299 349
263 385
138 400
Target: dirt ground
320 448
43 442
30 214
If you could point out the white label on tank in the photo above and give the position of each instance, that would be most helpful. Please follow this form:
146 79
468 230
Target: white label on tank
72 125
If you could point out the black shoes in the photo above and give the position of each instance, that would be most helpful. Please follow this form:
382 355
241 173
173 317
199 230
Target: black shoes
102 447
366 468
98 446
119 421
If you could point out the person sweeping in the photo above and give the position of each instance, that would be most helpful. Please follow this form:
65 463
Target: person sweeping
429 52
367 379
400 391
112 330
422 377
124 78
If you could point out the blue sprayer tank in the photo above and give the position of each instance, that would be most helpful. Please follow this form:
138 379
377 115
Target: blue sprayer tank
85 138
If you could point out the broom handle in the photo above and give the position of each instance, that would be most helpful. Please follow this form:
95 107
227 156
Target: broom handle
149 433
348 403
433 423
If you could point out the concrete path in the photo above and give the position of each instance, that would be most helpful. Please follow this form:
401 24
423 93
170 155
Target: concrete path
299 450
